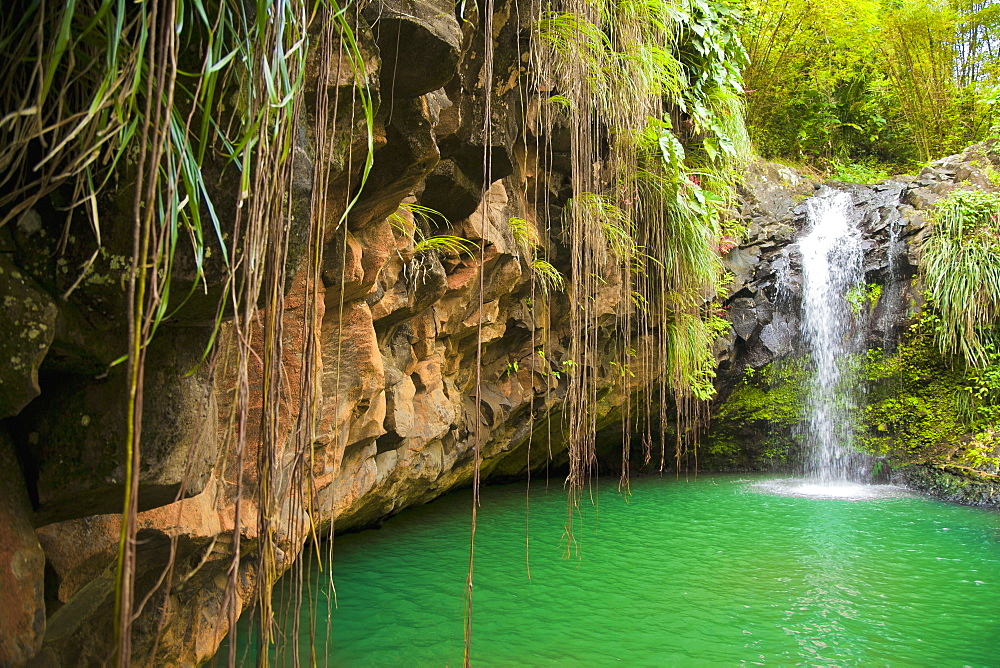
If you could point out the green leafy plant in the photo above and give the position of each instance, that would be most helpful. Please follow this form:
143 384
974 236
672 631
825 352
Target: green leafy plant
863 297
961 264
445 244
654 96
866 173
923 407
754 425
420 214
565 367
523 233
548 277
852 82
616 228
410 219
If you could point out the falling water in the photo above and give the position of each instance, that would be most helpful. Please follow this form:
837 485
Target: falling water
831 266
893 287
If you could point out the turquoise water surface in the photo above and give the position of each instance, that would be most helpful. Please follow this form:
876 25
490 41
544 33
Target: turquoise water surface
717 571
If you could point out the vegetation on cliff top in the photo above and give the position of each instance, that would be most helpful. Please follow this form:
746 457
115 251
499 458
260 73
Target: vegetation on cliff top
889 81
961 264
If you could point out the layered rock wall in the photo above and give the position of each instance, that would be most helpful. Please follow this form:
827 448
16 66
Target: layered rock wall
409 337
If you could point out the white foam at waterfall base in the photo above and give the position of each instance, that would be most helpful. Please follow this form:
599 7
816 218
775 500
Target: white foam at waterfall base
844 491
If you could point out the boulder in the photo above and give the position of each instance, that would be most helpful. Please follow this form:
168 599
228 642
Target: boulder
29 325
22 566
419 42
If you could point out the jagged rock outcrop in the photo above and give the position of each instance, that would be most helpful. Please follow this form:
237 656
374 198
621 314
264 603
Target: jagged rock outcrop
766 291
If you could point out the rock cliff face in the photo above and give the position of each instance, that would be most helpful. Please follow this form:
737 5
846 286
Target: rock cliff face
400 338
765 300
402 328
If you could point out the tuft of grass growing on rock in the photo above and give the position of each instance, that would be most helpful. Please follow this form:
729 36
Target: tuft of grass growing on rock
961 266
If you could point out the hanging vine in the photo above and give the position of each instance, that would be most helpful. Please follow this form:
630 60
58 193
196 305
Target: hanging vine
653 98
170 102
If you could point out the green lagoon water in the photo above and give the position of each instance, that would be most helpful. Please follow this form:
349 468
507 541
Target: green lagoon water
716 571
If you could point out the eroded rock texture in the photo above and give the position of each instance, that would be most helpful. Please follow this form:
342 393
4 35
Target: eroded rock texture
399 343
401 331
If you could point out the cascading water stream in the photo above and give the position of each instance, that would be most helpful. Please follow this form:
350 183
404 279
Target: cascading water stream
832 256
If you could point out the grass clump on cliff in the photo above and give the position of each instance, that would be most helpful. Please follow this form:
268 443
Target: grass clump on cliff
961 265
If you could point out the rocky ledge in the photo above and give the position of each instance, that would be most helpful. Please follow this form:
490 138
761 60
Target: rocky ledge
958 484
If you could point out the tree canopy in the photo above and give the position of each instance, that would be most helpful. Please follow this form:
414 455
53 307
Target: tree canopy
884 80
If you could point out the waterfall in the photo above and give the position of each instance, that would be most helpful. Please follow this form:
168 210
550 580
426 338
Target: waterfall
832 255
893 302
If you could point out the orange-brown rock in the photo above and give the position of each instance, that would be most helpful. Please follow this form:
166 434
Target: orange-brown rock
22 566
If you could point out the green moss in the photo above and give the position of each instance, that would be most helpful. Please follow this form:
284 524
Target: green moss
752 427
923 406
768 396
863 297
868 173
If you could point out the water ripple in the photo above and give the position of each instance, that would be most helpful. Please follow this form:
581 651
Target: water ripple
720 571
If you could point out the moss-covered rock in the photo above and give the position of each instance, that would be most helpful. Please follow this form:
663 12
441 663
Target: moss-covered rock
958 484
753 426
926 409
29 325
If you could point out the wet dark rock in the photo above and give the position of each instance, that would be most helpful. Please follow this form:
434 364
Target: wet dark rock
894 218
74 437
778 336
30 324
464 134
766 290
957 484
451 191
743 316
741 261
419 42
